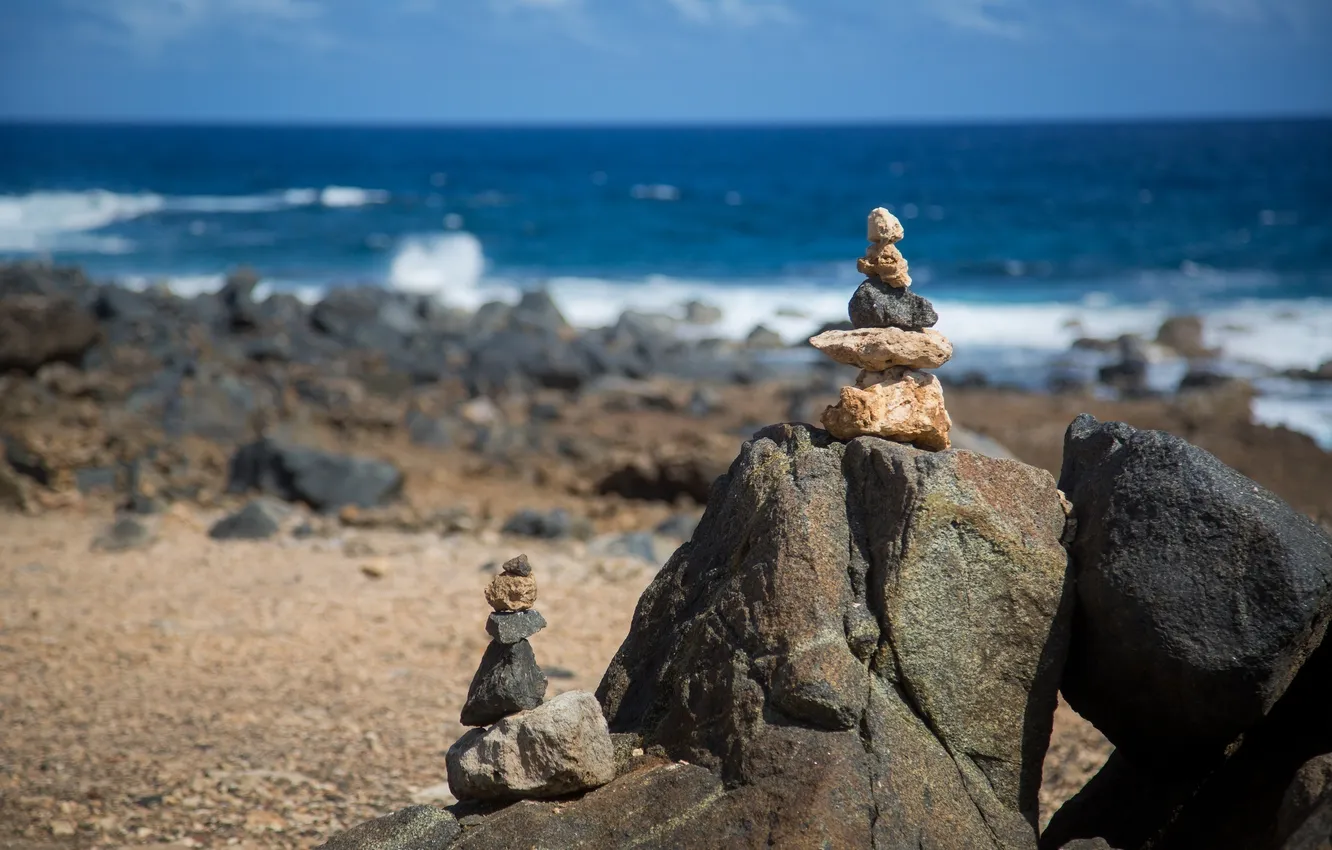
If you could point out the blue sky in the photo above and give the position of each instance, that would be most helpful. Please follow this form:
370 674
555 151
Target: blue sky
662 60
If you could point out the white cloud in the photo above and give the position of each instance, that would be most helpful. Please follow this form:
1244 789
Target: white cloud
147 26
1001 18
741 13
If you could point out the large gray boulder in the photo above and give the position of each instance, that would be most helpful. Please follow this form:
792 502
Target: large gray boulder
1200 594
558 748
324 480
863 640
38 329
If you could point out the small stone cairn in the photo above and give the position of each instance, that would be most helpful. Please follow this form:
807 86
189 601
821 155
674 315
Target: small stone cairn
891 341
523 748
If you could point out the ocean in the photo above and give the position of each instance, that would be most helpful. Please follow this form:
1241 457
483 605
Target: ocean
1025 237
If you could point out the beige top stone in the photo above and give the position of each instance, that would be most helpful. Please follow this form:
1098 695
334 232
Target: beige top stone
876 349
511 593
907 407
885 262
884 226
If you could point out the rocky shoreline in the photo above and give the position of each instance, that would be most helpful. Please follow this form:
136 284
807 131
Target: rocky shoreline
374 413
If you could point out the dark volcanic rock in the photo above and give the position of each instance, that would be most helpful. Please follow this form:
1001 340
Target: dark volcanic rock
237 297
863 640
1199 593
36 330
554 525
509 627
323 480
536 311
124 534
507 682
1129 373
256 521
413 828
877 305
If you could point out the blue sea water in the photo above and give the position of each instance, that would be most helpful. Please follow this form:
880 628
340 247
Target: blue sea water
1025 237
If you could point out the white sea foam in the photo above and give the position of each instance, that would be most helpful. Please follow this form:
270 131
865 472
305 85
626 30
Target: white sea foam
351 196
447 266
38 221
47 220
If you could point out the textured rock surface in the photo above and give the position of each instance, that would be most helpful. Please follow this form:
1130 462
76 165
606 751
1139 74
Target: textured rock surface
876 349
883 226
36 330
511 593
323 480
507 681
908 407
519 566
256 521
885 262
863 640
1313 782
413 828
1199 593
875 305
556 749
513 626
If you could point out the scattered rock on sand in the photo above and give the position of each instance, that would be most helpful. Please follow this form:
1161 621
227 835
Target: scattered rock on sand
557 524
556 749
507 681
509 627
124 534
1200 593
764 338
876 349
902 405
323 480
413 828
258 520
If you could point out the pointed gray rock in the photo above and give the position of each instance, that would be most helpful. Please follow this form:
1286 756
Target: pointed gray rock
878 305
507 682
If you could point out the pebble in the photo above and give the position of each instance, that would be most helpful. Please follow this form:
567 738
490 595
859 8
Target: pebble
511 593
511 627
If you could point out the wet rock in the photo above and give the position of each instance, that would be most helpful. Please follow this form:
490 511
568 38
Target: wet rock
698 313
1199 593
1184 336
536 311
557 524
123 535
511 592
863 641
258 520
764 338
877 349
556 749
876 305
36 330
509 627
413 828
507 681
324 480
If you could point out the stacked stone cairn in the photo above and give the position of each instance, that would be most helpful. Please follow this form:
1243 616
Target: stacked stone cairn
523 748
891 341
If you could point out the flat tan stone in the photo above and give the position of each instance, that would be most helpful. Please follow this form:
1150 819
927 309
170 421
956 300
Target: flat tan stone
876 349
884 226
885 262
511 593
907 407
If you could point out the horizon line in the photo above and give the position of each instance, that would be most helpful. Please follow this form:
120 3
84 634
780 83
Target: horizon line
662 123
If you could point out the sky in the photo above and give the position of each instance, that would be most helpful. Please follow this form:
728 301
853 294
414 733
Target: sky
636 61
